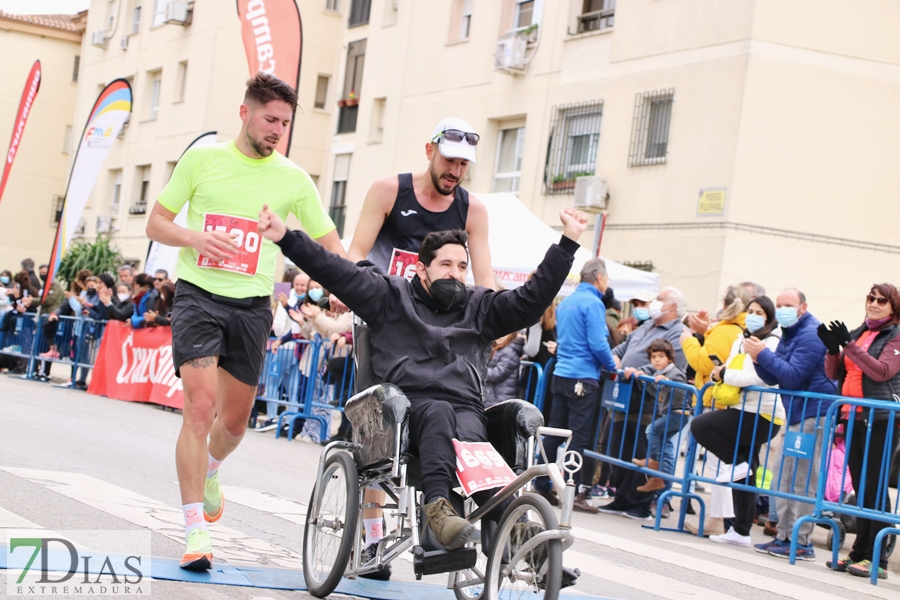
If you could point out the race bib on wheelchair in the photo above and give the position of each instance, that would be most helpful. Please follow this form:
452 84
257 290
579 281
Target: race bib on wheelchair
480 467
403 264
247 244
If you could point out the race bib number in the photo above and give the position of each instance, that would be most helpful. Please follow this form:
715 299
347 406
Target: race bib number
480 467
247 242
403 263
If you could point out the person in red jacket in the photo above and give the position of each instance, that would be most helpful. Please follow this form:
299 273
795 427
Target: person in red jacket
867 367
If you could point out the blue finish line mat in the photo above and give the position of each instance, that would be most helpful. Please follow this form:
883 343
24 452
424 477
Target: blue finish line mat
279 579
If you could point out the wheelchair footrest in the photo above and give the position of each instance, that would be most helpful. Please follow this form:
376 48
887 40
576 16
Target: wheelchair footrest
443 561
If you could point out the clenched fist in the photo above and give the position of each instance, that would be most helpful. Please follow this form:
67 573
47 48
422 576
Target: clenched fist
574 223
270 225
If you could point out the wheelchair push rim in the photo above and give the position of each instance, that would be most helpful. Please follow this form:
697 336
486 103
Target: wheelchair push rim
329 534
538 574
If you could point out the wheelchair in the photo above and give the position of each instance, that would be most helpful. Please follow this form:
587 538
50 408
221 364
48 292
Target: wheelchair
521 553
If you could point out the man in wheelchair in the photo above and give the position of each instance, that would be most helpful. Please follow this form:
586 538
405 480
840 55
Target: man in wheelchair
431 338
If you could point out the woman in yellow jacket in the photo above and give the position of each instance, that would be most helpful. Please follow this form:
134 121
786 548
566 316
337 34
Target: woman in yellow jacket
717 339
703 358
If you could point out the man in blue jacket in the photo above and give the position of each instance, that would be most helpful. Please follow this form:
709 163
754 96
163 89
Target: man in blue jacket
582 351
798 363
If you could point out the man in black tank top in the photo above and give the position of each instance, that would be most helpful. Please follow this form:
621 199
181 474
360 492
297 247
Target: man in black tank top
399 211
397 214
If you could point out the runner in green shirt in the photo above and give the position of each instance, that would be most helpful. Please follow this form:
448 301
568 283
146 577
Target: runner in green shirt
221 316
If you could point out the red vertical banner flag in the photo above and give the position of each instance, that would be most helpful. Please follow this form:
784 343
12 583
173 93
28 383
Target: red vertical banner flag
273 40
32 85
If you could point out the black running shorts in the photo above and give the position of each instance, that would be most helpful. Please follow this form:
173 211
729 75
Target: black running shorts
234 330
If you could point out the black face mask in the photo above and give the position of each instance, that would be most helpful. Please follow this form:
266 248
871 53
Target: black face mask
447 293
91 292
43 277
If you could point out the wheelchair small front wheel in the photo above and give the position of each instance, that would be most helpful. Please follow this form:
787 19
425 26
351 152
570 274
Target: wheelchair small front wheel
329 534
539 572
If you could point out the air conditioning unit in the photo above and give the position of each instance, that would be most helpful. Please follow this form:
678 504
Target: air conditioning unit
510 53
103 223
123 43
591 194
179 13
99 39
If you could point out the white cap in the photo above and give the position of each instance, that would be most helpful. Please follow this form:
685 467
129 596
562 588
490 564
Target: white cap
644 296
462 149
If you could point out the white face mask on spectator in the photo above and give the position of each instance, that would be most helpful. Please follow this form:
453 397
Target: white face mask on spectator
655 309
123 297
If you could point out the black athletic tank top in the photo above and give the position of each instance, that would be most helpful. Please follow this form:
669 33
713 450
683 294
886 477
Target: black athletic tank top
408 222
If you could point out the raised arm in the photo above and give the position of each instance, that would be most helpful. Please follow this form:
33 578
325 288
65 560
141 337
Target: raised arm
376 207
510 310
363 290
479 248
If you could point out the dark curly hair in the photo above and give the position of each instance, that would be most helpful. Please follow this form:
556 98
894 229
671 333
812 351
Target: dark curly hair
263 88
436 240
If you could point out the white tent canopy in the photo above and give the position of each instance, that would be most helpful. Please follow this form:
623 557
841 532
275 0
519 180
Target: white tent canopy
519 240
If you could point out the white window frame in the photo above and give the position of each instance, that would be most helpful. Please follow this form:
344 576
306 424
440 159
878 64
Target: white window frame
159 12
519 151
115 201
136 17
181 84
571 168
155 88
465 20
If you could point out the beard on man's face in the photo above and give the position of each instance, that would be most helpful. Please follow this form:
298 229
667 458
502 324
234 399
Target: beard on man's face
258 145
439 182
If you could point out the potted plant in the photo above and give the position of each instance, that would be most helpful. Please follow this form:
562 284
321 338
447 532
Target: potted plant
352 99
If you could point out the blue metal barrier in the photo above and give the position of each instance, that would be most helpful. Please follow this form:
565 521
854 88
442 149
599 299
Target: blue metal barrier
873 501
643 398
19 340
532 374
296 375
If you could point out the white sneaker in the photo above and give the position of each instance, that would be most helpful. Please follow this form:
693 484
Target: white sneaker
731 537
727 474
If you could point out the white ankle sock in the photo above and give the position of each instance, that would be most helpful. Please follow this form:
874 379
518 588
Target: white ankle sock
374 530
212 467
193 517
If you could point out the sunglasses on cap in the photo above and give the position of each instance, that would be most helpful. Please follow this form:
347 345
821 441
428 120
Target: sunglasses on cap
881 301
455 135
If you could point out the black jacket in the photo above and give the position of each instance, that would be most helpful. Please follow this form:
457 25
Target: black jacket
424 351
119 311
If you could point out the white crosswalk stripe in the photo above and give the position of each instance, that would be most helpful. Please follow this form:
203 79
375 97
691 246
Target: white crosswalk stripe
696 562
230 545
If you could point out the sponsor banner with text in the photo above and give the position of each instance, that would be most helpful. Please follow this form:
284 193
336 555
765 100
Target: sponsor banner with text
273 40
32 85
136 365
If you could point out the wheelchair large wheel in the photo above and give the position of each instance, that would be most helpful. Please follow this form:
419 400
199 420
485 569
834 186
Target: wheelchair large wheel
468 584
329 534
539 574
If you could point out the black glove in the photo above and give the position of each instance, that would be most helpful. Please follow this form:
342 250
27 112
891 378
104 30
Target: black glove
840 333
828 339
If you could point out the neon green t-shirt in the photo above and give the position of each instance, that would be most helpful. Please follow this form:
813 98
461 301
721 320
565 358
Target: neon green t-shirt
225 190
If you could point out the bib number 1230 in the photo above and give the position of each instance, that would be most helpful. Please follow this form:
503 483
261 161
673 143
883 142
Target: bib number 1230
247 243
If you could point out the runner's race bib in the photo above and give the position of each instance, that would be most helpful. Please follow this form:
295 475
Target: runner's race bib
480 467
403 264
247 243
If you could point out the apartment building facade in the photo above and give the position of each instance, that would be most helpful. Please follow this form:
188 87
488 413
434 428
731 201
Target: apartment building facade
187 68
738 140
37 181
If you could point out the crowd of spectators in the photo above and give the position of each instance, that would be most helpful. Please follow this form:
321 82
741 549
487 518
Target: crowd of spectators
749 340
137 300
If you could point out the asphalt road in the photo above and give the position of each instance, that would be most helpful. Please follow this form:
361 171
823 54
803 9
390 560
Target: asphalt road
71 461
